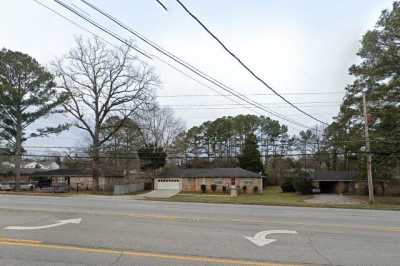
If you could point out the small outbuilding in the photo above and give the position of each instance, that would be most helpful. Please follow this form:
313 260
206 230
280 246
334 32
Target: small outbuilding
208 180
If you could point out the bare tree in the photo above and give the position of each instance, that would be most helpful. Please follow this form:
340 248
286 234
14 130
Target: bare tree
101 83
159 127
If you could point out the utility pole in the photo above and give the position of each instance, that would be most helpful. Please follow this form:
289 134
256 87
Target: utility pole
369 160
318 147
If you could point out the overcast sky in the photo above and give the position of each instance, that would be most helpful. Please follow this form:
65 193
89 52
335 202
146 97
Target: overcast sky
297 46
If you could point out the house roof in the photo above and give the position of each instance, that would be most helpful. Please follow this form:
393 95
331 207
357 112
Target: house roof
24 171
333 176
208 172
77 173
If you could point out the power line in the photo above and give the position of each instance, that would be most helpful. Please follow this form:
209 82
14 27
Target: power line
114 35
247 94
162 5
75 24
245 66
187 65
205 157
271 103
276 143
99 27
161 60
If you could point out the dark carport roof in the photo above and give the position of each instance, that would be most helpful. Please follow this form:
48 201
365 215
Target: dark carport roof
208 172
78 173
333 176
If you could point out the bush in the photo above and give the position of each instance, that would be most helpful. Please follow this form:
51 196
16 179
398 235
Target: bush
244 189
287 185
213 187
255 189
203 188
267 181
303 185
224 189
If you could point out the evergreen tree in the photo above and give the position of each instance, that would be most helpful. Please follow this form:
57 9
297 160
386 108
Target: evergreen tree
152 157
27 93
250 157
378 76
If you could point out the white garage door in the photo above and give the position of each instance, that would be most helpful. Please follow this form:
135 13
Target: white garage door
168 184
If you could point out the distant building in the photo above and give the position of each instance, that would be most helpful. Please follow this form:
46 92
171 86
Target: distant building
45 165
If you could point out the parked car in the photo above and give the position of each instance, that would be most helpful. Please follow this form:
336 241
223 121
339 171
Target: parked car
26 186
7 186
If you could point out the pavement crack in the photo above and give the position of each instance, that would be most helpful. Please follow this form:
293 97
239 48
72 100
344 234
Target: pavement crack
317 251
117 259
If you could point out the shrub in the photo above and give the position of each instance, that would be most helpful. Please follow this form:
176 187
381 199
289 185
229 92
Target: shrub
244 189
303 185
203 188
213 187
267 181
287 185
224 189
255 189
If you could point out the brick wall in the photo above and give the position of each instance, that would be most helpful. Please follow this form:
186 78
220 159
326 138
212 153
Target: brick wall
246 185
81 183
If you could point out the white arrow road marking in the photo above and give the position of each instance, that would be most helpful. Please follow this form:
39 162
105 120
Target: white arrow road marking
59 223
260 239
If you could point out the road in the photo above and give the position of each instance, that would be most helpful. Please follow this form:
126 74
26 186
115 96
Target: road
123 231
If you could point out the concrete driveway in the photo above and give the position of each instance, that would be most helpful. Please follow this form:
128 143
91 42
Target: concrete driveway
161 194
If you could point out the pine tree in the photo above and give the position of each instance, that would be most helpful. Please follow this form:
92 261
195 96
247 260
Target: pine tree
27 93
378 76
250 157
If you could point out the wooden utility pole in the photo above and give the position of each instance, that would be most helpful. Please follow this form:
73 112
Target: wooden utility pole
369 159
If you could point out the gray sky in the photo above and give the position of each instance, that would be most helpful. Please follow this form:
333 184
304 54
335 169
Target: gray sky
297 46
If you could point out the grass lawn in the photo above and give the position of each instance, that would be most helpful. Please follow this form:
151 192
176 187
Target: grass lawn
270 196
274 196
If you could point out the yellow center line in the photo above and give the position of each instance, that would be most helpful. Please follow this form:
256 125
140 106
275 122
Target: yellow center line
24 243
2 239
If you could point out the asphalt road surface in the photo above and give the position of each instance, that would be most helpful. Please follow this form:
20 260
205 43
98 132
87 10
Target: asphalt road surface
123 231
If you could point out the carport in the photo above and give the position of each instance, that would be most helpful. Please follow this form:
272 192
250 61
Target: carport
334 181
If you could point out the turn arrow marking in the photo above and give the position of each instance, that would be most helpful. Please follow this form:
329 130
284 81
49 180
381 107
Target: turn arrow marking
59 223
260 239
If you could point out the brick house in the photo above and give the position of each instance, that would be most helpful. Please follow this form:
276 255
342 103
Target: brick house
209 179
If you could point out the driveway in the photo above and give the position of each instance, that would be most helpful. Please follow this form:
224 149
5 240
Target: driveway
161 194
333 199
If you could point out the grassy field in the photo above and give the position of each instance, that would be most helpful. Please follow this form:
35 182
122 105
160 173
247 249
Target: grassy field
274 196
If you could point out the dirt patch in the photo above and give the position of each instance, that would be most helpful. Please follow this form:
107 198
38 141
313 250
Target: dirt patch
334 199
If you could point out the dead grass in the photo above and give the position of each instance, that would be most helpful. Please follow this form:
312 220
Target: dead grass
273 196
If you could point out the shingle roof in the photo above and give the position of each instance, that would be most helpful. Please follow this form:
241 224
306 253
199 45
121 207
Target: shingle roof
77 172
208 172
333 176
